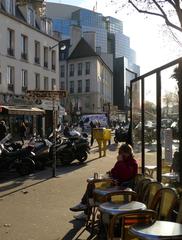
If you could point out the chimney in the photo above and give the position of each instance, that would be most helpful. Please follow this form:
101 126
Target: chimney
75 37
90 37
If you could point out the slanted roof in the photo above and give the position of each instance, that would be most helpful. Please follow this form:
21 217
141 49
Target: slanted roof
83 49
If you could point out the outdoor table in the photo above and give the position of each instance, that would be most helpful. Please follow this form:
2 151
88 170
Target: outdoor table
103 192
150 170
157 230
112 208
171 176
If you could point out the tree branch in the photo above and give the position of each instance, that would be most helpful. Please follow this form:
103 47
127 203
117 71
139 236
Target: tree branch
163 15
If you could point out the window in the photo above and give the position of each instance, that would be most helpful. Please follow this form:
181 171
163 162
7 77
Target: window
71 70
9 5
24 79
46 25
46 83
37 52
53 60
79 86
10 77
62 71
62 85
79 69
87 85
87 69
46 57
11 42
53 87
31 16
24 47
71 87
37 81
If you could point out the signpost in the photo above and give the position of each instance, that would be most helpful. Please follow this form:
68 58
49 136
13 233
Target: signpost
49 95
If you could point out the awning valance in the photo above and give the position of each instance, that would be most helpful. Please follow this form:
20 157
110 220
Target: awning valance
21 110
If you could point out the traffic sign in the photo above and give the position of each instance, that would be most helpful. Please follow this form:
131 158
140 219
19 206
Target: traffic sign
46 94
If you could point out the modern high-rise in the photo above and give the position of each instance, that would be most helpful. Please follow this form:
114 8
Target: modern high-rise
109 39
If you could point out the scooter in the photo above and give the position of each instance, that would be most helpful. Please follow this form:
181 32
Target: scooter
121 134
72 148
15 159
40 152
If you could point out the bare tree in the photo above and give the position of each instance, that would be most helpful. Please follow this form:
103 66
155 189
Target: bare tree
171 12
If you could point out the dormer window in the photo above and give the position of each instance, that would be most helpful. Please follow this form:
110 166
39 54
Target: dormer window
30 16
46 25
10 6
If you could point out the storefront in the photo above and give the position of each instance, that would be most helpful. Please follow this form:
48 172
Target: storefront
32 116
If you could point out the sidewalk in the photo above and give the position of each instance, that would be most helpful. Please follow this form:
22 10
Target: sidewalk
37 207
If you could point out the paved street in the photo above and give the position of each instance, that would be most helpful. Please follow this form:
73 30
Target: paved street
37 207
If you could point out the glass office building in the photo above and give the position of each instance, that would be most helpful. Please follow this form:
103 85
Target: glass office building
105 27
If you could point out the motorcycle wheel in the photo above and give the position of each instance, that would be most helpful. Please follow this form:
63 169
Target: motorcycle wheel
82 157
115 140
25 167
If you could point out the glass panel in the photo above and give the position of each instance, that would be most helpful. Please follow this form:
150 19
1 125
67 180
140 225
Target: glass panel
169 119
136 119
150 103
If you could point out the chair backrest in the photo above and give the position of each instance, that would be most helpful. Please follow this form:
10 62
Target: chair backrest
141 188
137 180
163 203
121 196
179 212
128 219
150 191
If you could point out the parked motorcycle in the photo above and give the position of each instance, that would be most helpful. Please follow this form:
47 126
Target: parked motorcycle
72 148
12 157
40 152
121 134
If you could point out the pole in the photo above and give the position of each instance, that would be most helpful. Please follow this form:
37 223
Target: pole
54 137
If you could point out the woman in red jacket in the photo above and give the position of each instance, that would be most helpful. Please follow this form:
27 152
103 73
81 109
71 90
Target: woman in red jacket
126 166
123 171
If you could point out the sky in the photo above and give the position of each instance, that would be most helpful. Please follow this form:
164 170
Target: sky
149 37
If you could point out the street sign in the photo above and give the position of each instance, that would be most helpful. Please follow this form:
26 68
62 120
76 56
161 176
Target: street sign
46 94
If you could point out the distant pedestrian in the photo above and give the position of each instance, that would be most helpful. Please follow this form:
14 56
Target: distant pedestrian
3 129
22 131
92 126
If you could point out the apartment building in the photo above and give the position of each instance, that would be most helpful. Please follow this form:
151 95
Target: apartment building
28 60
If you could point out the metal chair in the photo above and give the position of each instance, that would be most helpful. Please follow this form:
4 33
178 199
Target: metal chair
150 191
163 203
126 220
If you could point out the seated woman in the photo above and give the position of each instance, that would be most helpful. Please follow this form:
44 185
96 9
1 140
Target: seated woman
124 171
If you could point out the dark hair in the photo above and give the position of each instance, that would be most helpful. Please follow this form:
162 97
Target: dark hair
126 148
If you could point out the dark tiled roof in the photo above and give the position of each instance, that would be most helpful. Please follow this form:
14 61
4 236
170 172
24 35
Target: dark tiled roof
83 49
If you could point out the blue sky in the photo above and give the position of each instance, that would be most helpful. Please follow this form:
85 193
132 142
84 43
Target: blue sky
148 36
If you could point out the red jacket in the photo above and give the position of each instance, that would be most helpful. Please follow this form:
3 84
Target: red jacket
125 170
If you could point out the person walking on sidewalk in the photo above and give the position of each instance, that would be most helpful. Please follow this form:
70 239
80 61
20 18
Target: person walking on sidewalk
22 131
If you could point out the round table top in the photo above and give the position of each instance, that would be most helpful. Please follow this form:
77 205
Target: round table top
105 191
170 175
158 230
112 208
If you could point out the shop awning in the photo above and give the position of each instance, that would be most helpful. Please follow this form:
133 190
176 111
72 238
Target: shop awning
21 110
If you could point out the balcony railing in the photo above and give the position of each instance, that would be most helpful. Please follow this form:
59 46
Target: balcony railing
53 67
11 86
46 64
24 88
10 51
24 56
37 60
